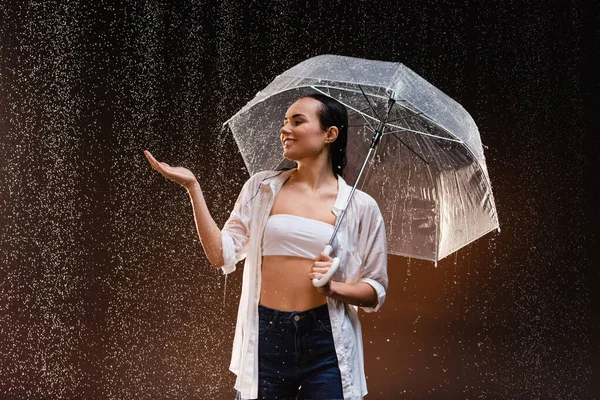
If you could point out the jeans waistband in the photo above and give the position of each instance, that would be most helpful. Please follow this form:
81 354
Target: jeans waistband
317 313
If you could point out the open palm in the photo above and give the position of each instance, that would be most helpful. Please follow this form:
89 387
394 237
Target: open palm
180 175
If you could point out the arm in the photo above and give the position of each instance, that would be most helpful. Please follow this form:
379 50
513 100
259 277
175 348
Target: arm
370 290
208 231
235 234
373 252
359 294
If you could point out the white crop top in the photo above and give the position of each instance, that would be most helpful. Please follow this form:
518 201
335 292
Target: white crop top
292 235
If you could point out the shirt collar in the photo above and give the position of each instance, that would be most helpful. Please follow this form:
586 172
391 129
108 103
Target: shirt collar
342 197
277 181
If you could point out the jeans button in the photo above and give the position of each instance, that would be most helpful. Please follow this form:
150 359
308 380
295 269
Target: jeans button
296 318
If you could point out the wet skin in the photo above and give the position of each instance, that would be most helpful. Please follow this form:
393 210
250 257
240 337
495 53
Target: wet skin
286 284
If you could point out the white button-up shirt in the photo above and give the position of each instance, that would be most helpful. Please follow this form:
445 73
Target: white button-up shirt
360 244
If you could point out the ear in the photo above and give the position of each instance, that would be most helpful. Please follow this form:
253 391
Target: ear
332 134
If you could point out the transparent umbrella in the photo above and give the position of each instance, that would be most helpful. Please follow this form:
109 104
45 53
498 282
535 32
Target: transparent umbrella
416 151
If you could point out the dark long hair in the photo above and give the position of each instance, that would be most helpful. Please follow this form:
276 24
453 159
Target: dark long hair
333 113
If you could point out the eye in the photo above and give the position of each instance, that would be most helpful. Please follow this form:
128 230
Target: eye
297 122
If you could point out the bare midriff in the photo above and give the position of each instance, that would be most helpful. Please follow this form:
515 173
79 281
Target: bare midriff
286 286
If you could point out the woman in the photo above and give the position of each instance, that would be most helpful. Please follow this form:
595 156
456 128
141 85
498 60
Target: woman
293 340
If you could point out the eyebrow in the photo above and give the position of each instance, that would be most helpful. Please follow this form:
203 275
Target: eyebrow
294 116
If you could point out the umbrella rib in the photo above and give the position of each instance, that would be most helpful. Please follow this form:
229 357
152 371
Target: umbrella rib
359 111
408 147
369 102
355 126
370 128
412 111
367 121
362 114
349 106
350 90
407 117
432 121
401 129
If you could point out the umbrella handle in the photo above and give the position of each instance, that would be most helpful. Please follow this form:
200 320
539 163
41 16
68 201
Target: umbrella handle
334 266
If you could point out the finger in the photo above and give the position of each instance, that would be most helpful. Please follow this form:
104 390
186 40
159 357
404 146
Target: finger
151 160
149 156
320 258
320 270
322 264
155 163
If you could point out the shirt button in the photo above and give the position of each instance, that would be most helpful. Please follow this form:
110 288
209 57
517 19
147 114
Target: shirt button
296 318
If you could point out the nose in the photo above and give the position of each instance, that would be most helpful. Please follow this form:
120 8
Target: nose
284 129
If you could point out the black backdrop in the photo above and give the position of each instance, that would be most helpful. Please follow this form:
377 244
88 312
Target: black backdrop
105 292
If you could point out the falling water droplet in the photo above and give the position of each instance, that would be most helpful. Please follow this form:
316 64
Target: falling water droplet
224 290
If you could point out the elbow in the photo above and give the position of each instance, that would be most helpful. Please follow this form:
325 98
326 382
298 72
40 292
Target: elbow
226 255
376 306
215 256
217 260
371 304
379 294
370 298
219 263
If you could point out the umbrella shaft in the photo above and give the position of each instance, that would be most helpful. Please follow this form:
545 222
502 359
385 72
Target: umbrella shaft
339 220
374 142
379 131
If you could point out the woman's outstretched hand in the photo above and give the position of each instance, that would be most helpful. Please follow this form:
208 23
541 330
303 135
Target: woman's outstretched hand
180 175
321 265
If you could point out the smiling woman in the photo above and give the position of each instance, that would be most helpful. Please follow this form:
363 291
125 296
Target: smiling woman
293 339
320 115
310 193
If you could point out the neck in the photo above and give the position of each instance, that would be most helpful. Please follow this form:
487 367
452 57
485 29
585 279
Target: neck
315 175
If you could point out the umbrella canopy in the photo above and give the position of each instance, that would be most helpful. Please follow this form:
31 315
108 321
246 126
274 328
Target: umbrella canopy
428 174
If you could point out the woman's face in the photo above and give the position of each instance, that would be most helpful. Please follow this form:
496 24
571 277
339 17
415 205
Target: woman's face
301 134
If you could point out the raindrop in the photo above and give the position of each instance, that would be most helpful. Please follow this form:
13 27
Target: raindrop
225 290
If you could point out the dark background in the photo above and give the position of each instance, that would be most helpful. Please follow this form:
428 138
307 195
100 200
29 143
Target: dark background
105 292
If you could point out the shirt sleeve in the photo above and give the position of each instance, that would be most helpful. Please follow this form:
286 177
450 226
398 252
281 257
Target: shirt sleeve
236 231
374 255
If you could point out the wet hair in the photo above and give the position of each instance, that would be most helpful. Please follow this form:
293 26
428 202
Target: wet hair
333 113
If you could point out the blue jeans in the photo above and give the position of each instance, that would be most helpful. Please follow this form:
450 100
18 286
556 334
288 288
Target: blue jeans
296 355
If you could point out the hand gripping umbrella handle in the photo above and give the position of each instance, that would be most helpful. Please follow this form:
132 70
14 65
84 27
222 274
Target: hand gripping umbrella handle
334 266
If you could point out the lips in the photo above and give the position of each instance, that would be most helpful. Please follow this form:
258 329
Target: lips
287 142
